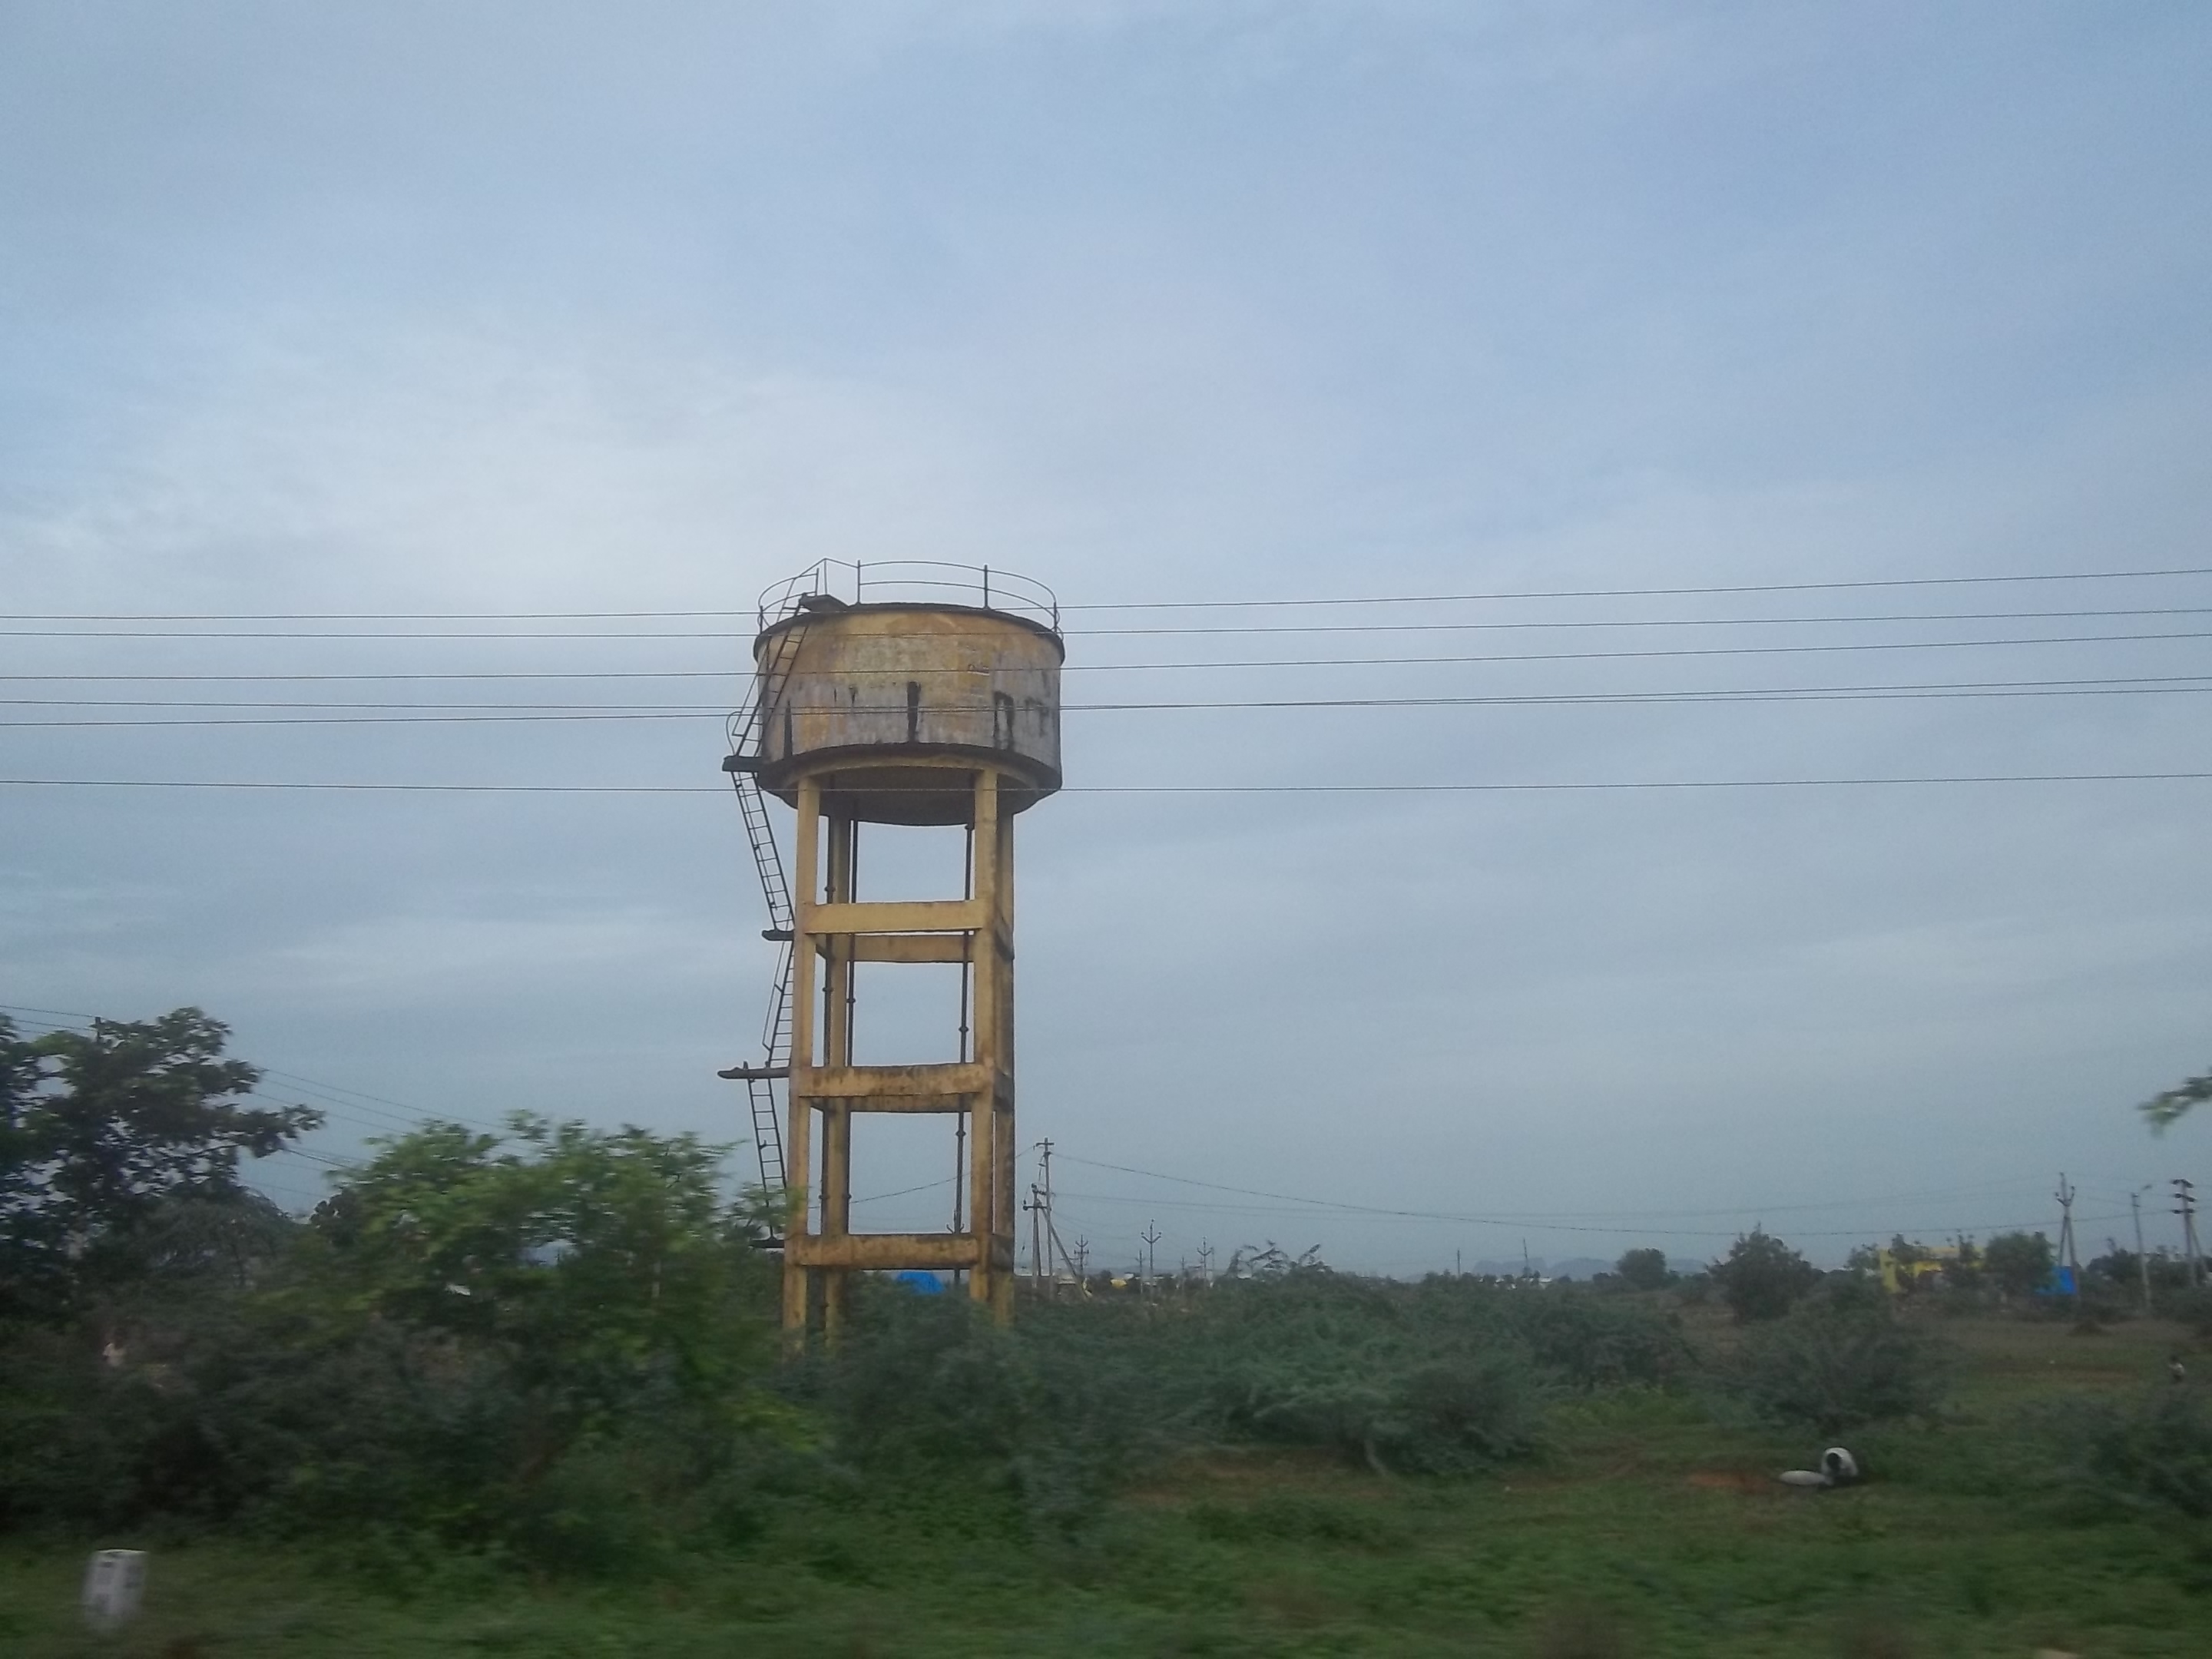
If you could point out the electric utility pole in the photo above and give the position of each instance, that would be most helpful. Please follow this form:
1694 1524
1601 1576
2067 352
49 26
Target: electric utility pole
1051 1234
2066 1252
1056 1251
1206 1261
959 1168
2143 1262
1034 1205
2184 1193
1082 1260
1151 1237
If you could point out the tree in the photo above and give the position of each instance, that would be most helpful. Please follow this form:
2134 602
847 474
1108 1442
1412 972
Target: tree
1645 1269
101 1132
2166 1109
2019 1262
1964 1271
1907 1254
1762 1276
584 1264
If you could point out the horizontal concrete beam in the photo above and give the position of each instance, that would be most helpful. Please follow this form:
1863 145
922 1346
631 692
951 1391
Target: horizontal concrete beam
884 1251
946 1088
905 916
900 947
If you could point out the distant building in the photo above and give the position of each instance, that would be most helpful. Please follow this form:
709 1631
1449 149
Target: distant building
1901 1275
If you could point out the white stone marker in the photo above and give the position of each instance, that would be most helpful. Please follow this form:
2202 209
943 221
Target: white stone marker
114 1585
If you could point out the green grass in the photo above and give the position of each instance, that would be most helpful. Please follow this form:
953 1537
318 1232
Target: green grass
1648 1528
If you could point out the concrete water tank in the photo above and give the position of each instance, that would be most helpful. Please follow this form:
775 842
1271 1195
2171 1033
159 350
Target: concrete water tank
889 705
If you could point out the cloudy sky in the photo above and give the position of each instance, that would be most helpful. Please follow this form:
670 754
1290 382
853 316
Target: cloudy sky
407 309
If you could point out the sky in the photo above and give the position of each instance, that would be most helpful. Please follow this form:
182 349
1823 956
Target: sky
483 313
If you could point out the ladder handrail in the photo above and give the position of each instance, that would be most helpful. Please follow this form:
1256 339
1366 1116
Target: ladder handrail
748 734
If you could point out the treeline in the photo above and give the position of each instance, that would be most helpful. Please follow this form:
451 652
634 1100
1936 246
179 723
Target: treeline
556 1346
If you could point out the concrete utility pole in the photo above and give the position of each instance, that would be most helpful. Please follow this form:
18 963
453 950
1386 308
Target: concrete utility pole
960 1157
1151 1237
1034 1205
2143 1262
2066 1252
1082 1260
2185 1206
1206 1261
1051 1234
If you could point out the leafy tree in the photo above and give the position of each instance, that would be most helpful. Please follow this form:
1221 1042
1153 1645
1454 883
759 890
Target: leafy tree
2164 1109
102 1133
585 1263
1645 1270
1964 1271
2019 1262
1762 1276
1908 1254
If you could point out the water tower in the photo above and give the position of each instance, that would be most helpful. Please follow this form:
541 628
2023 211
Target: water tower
891 695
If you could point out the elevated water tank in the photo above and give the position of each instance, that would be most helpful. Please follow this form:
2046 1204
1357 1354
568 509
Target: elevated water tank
890 703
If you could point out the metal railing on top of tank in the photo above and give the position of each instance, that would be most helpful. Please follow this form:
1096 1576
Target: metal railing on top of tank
878 582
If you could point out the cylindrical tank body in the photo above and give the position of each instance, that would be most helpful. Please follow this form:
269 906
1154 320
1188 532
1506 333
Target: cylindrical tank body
886 703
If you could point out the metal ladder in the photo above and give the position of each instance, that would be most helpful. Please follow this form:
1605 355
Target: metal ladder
748 746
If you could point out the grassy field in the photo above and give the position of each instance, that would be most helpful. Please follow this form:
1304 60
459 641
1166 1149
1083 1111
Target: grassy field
1647 1528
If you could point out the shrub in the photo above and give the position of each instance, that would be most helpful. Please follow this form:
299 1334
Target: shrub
2192 1308
926 1394
2153 1452
1833 1365
1432 1376
1453 1414
1594 1344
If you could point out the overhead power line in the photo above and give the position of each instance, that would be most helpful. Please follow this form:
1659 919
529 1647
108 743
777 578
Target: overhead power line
1489 626
2013 1188
1510 594
737 675
1564 1221
2121 681
1457 625
1587 700
465 715
1511 1222
335 1095
276 784
1648 654
1862 584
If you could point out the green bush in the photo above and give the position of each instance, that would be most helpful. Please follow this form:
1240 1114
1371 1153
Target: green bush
1592 1344
1459 1413
2192 1308
2151 1453
924 1392
1430 1378
1832 1366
